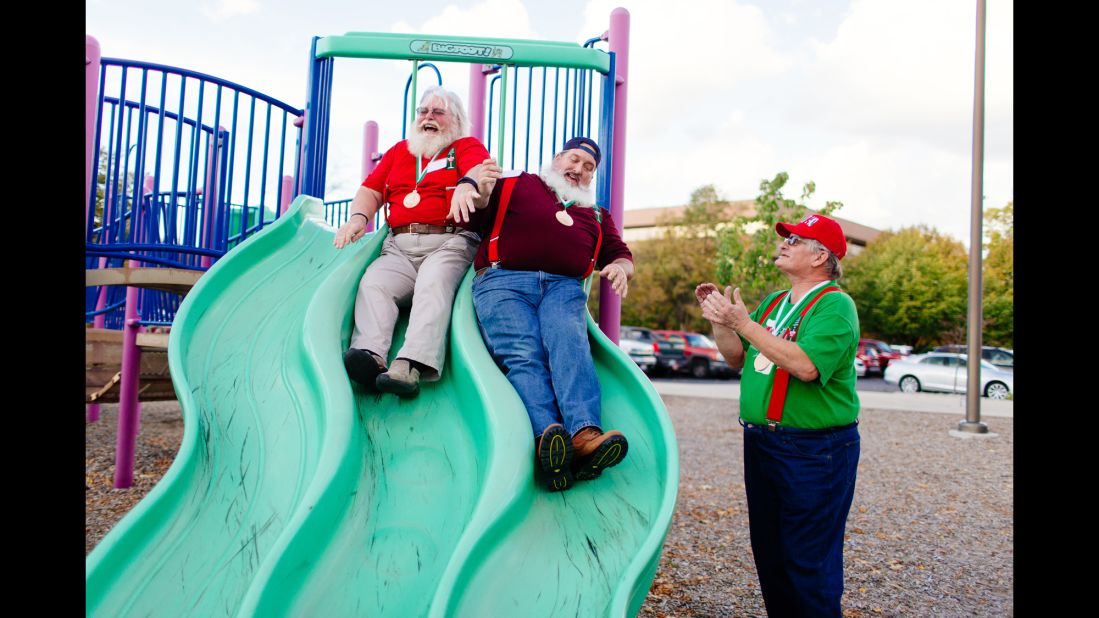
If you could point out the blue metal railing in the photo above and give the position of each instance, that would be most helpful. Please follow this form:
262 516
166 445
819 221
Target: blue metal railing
559 106
187 166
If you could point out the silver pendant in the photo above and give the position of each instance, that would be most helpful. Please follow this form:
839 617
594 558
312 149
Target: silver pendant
564 218
412 199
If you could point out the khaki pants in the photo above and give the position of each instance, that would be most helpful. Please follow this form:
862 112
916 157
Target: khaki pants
423 270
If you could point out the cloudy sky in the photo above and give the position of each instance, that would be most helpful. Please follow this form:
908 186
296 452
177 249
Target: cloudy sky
870 99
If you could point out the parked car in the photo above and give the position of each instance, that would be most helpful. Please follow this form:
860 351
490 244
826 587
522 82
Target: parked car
860 368
702 356
640 344
947 372
1001 357
670 357
876 354
903 350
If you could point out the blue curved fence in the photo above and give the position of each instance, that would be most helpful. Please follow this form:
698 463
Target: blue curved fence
188 166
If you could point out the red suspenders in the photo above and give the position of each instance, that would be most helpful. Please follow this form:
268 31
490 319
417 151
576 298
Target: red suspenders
494 239
782 377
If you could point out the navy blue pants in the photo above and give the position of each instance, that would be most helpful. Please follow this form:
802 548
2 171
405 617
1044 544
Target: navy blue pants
799 485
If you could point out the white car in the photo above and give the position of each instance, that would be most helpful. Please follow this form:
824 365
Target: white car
946 372
640 345
860 368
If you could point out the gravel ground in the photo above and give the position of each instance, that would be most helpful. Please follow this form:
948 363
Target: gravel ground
931 530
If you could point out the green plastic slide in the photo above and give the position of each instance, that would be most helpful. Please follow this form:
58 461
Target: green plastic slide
296 493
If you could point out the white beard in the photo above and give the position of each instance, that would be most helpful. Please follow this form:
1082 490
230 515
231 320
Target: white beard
424 144
583 196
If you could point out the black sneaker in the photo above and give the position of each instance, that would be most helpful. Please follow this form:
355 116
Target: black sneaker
363 366
596 451
554 453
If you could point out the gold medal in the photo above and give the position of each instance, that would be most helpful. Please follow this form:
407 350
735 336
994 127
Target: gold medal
564 218
763 364
412 199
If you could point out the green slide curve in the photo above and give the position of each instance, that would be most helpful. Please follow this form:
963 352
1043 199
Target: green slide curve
296 493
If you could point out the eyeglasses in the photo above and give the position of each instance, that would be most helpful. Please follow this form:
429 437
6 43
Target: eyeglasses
434 111
792 239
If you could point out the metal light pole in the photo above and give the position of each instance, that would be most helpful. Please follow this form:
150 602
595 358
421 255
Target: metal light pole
972 422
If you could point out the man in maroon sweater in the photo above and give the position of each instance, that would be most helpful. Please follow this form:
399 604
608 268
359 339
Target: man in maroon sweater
542 236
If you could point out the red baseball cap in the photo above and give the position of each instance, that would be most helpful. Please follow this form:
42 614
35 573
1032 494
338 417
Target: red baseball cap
819 228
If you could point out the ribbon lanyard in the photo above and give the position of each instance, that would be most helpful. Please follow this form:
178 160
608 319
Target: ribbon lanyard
420 175
782 317
565 207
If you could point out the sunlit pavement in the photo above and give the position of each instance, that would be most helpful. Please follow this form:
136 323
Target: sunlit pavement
873 394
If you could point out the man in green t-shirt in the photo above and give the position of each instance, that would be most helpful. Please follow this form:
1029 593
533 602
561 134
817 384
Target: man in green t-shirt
799 410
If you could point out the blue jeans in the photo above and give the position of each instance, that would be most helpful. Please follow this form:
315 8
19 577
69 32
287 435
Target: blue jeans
533 324
799 485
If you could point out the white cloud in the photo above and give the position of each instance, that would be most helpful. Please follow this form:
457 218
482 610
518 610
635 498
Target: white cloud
371 90
902 68
222 10
490 18
687 106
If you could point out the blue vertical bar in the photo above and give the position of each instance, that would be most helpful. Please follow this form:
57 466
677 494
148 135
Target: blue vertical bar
488 122
553 133
514 114
530 90
248 167
263 169
542 120
282 165
139 160
175 161
119 207
565 112
95 162
219 175
232 165
606 137
170 225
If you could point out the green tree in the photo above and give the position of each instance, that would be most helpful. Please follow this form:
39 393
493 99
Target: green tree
746 249
998 298
910 287
670 266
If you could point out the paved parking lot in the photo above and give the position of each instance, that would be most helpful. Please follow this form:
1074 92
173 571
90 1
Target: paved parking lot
874 393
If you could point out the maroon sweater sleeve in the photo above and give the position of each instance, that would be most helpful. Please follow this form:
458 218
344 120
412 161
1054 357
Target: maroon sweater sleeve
613 245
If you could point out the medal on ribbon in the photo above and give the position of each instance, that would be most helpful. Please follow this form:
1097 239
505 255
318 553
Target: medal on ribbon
763 364
413 199
563 217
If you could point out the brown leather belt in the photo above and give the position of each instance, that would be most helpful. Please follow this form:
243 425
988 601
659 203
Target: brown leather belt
426 228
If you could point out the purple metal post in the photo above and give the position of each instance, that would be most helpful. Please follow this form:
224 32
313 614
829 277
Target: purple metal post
209 196
99 321
370 148
287 189
610 305
299 122
127 397
91 94
477 101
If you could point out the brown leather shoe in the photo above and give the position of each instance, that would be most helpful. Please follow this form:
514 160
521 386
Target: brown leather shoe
554 453
595 450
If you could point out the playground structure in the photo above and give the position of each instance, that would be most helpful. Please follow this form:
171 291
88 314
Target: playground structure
293 492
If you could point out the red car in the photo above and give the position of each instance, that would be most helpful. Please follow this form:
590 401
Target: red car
703 358
876 355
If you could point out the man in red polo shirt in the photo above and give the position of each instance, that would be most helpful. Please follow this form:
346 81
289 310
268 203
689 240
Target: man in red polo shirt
424 257
543 236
